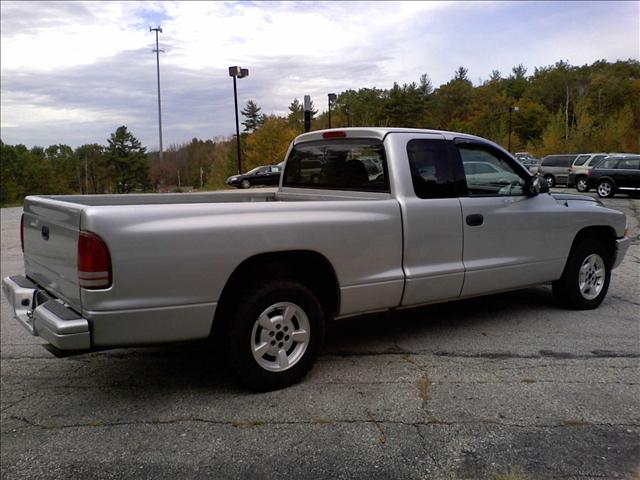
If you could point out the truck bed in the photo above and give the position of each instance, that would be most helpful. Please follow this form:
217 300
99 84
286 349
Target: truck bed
165 247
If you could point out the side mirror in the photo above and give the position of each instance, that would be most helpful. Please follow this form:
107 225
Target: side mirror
538 185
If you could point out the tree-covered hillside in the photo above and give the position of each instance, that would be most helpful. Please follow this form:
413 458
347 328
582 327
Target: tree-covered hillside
554 109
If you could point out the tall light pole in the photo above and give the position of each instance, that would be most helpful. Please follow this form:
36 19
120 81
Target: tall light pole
332 98
157 51
511 110
237 72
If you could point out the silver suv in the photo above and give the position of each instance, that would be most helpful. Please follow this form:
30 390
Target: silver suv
556 168
580 170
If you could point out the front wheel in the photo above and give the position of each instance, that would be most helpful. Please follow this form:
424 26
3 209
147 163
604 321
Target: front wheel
275 335
582 185
605 189
550 180
245 184
585 280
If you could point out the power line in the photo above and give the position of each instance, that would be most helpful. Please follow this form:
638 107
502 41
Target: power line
157 52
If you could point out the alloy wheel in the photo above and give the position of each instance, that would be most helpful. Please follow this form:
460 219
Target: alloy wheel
280 336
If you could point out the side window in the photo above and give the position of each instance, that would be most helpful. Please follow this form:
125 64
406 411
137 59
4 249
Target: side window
629 164
595 160
431 168
608 164
488 173
581 160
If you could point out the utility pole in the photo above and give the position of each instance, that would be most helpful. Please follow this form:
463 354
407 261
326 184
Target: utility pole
332 98
157 52
307 113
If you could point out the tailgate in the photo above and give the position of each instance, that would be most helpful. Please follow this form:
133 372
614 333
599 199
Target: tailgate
51 229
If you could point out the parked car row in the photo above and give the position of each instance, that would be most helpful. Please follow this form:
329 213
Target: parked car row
607 173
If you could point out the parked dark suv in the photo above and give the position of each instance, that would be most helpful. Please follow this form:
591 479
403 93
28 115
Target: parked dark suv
269 175
556 168
616 174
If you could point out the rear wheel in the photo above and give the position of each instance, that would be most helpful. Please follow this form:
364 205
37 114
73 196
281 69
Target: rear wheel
585 280
551 180
274 335
582 185
605 189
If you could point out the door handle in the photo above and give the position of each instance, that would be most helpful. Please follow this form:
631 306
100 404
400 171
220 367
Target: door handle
475 219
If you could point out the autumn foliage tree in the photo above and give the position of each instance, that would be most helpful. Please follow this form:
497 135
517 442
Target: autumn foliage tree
562 108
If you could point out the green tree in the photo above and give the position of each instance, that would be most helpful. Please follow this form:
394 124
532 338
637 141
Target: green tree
253 116
65 167
97 171
129 160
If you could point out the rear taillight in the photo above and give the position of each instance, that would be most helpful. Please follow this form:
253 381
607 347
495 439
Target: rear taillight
22 232
94 262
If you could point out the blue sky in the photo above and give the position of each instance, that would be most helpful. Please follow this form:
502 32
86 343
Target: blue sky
72 72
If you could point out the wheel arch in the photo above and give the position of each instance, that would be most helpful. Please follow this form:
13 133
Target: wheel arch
607 178
603 233
580 176
310 268
546 176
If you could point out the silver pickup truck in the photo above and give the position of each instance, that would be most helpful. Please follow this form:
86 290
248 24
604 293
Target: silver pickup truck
364 220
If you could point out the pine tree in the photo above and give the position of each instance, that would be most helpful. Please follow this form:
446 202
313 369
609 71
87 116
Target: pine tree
129 160
253 116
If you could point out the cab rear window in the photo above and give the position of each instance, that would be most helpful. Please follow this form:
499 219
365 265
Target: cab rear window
338 164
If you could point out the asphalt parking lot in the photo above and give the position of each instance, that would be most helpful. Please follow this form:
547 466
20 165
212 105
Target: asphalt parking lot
501 387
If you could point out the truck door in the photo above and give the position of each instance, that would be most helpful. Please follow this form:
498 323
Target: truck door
431 217
511 239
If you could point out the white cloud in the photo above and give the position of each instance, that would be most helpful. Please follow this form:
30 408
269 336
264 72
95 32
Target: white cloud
90 63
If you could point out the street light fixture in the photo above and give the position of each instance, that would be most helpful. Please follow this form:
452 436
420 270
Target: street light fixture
332 98
237 72
511 110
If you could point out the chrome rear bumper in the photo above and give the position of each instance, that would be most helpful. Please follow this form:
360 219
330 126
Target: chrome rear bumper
44 316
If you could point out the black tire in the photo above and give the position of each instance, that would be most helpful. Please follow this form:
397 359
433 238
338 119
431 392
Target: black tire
606 189
245 184
582 184
567 291
551 180
239 342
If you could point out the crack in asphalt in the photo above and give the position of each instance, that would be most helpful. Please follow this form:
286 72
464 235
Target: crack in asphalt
371 420
430 453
